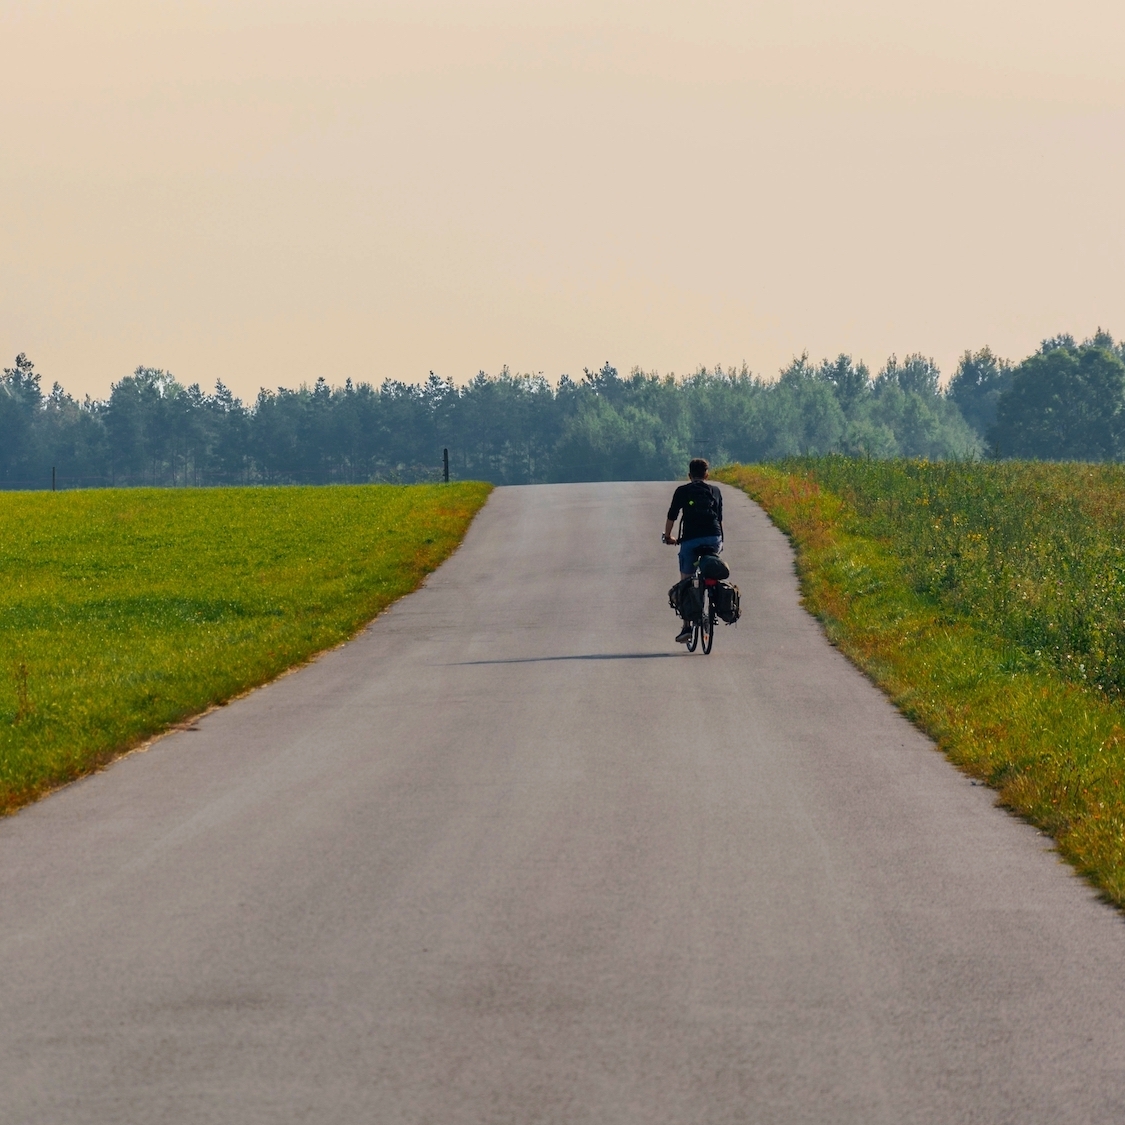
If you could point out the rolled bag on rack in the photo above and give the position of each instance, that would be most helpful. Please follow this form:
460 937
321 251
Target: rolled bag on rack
711 566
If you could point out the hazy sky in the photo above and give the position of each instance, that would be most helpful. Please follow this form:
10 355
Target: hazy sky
270 190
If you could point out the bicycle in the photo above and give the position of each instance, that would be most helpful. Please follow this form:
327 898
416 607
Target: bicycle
704 613
703 620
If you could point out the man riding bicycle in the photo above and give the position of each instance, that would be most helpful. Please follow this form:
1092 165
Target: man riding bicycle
702 528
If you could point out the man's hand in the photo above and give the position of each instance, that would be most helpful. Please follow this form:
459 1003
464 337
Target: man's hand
666 538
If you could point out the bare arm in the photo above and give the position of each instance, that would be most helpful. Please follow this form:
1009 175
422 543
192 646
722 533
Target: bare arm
668 532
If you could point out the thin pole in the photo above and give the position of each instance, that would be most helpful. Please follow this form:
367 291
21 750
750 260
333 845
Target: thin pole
445 460
52 478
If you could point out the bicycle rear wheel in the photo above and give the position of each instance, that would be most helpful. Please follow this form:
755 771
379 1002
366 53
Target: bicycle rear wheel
707 624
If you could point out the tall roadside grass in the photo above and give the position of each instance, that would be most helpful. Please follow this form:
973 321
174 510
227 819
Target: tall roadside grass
989 602
123 612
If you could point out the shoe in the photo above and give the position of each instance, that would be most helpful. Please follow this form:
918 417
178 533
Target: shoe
685 634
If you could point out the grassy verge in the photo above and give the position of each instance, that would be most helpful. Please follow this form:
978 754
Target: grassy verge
123 612
985 600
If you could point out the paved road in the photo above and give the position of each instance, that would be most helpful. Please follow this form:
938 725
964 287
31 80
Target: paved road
514 857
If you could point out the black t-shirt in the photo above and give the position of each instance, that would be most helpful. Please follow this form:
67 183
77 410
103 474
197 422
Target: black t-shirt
702 505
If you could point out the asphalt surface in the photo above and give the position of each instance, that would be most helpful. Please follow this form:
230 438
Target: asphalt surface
514 856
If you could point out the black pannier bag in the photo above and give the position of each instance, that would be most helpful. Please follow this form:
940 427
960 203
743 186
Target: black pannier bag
685 599
711 566
676 593
724 596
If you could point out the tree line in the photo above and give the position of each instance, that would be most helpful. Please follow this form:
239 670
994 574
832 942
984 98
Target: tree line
1065 402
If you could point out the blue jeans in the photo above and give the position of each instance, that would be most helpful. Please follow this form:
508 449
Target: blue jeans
689 549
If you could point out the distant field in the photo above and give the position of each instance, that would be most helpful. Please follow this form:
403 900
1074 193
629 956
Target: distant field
988 600
124 611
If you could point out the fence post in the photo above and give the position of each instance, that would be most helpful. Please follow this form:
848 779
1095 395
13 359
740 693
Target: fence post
52 478
445 462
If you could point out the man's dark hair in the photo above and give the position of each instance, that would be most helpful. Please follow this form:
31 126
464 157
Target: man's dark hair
697 468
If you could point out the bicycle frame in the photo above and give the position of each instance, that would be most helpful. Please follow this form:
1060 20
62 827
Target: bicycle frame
703 623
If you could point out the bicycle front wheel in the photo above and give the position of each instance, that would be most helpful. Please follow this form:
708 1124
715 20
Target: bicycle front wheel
693 640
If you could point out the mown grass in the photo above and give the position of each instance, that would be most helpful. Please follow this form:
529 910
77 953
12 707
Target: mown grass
989 602
124 612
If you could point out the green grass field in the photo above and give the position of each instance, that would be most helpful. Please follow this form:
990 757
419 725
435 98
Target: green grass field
988 600
125 611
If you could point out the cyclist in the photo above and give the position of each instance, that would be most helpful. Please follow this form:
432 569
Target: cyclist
702 507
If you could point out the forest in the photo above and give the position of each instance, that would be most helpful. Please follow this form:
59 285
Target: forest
1065 402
